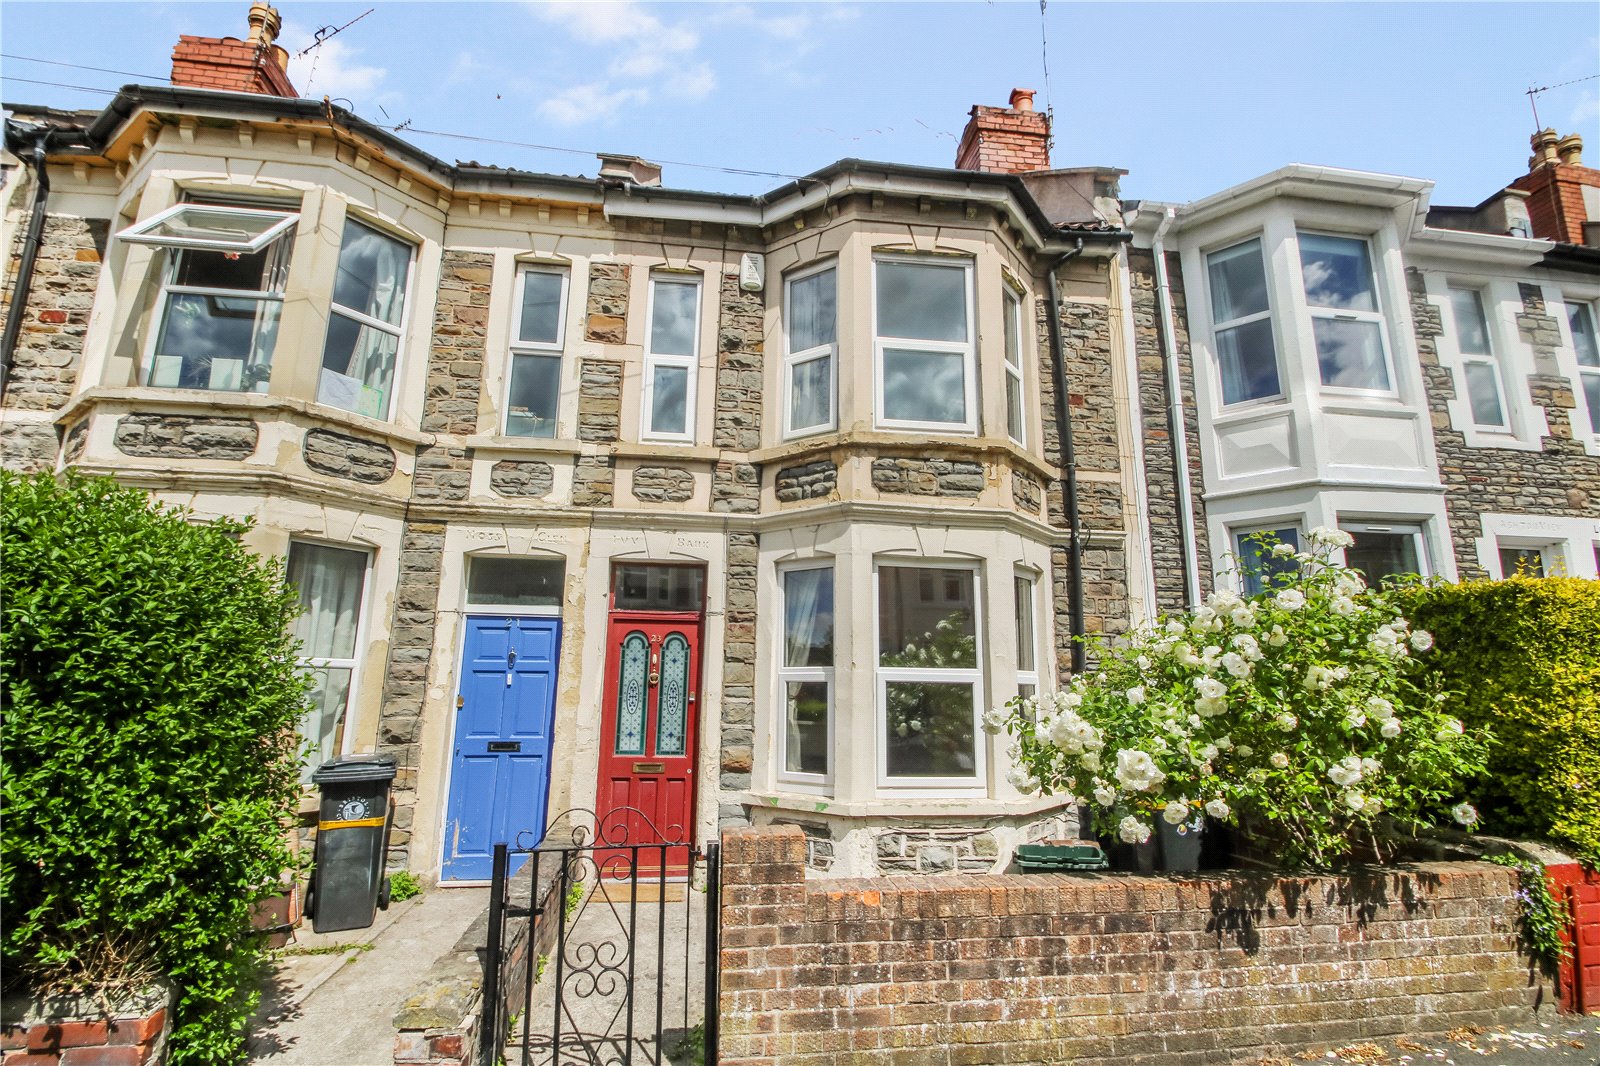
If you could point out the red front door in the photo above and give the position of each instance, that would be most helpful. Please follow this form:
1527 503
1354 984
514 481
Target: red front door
647 754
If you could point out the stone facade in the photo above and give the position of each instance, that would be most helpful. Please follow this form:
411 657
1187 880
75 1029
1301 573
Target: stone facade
958 478
809 481
187 436
522 477
27 447
455 374
1103 970
600 401
662 484
1155 402
1561 479
350 458
44 368
739 668
1026 491
937 851
606 320
739 357
735 487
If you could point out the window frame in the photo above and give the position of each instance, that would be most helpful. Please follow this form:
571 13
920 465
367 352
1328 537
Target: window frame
516 346
1489 359
1028 579
792 360
1378 317
472 606
1220 326
1011 304
1237 535
1552 554
308 663
139 232
654 359
1416 529
807 674
967 349
883 675
398 331
1587 307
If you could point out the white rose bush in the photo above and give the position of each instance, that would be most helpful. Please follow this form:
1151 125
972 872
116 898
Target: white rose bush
1294 713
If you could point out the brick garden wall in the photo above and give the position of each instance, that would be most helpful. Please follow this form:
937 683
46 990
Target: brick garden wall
1098 969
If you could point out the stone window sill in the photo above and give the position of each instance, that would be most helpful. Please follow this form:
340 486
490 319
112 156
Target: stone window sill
887 805
185 401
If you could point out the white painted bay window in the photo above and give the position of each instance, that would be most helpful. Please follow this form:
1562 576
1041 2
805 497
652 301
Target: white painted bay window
222 294
811 315
1241 316
929 681
670 355
330 582
1478 364
924 352
805 673
1580 317
1385 549
364 329
533 385
1023 587
1253 554
1016 422
1346 318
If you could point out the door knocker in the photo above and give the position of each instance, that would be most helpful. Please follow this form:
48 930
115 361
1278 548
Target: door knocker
655 668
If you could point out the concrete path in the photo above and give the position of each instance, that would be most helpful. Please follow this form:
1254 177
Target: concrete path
336 1008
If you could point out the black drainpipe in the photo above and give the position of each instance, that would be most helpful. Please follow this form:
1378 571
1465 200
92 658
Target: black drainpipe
1069 463
30 253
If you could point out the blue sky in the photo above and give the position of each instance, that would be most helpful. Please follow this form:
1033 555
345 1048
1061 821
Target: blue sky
1189 98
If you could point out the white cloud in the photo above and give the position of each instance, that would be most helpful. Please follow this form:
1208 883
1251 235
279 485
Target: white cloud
332 69
693 83
589 103
1587 109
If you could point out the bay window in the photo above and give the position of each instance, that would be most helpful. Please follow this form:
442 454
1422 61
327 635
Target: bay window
1478 365
671 347
1257 565
1384 549
1015 422
805 673
811 336
533 385
330 583
929 682
363 341
1023 586
221 295
1241 316
924 353
1580 317
1346 321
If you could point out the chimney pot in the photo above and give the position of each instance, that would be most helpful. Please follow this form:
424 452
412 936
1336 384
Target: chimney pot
1544 149
1022 99
265 22
1570 149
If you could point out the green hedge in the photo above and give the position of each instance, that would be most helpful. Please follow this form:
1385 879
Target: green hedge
1523 659
150 752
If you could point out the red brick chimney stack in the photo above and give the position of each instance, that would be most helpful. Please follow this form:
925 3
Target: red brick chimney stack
1561 190
254 65
1006 140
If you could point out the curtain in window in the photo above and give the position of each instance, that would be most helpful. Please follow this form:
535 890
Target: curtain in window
329 581
373 281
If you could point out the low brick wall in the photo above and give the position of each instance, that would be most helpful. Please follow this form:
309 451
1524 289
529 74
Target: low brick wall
84 1031
1098 969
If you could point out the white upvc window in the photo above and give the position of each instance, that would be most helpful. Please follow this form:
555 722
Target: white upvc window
805 674
1347 322
1024 588
1257 565
367 321
1385 549
929 675
1241 324
1529 560
1485 390
330 581
1016 420
221 294
670 357
923 350
1580 318
533 377
811 343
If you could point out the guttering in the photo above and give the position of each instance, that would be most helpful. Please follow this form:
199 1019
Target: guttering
1175 421
30 243
1069 463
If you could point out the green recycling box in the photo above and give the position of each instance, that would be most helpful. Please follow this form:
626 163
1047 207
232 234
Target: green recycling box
347 882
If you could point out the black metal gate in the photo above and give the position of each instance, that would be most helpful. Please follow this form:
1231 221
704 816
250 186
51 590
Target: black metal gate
594 945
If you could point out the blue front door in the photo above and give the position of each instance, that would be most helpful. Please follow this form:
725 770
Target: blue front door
500 772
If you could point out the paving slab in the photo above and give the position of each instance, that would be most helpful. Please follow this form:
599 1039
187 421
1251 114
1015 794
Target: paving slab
330 998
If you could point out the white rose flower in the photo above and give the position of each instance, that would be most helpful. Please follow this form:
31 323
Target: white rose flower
1105 795
994 721
1277 638
1176 812
1208 753
1175 628
1422 640
1355 801
1218 808
1067 701
1135 695
1089 760
1211 658
1449 730
1346 771
1133 831
1243 616
1205 615
1390 728
1282 551
1210 687
1373 807
1465 813
1206 707
1279 760
1290 599
1354 717
1247 646
1142 662
1244 751
1330 538
1185 655
1236 665
1343 606
1380 708
1022 780
1136 771
1194 721
1287 722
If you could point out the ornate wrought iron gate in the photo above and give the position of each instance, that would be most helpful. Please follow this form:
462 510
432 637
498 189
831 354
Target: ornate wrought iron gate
593 956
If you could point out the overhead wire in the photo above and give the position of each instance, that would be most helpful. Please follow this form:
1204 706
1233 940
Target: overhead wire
82 66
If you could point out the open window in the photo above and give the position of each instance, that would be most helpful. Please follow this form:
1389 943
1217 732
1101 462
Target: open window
1385 549
221 294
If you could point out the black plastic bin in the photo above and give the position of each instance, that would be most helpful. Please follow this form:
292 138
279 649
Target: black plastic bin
347 882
